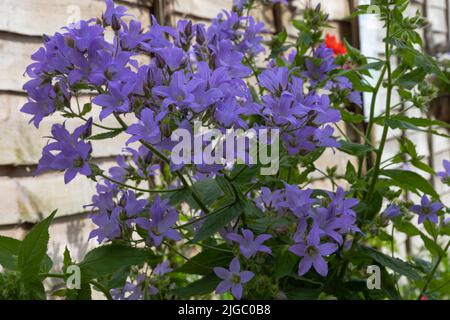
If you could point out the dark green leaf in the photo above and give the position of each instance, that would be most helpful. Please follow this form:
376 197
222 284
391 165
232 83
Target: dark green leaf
9 249
217 221
205 261
33 249
106 135
200 287
411 181
395 264
355 149
108 259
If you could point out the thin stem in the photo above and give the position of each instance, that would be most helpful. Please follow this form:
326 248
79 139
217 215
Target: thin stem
202 217
136 188
371 118
380 150
433 271
194 193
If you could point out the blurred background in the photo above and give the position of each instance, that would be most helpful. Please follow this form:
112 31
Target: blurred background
25 199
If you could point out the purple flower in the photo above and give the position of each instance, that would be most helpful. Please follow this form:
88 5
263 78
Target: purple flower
111 216
318 68
68 152
299 202
162 268
113 11
391 212
134 290
233 279
275 79
159 224
109 227
427 210
325 138
147 128
228 114
176 93
248 245
312 252
445 175
42 100
269 199
116 100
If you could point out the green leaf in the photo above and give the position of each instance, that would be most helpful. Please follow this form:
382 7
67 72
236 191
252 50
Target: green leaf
106 260
411 79
411 181
350 172
355 149
9 248
200 287
105 135
217 221
394 264
303 294
351 117
86 109
432 246
407 228
205 261
33 249
84 293
285 262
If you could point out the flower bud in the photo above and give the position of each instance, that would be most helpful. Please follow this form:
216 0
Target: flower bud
115 23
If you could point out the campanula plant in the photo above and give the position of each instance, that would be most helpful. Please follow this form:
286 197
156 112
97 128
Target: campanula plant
171 229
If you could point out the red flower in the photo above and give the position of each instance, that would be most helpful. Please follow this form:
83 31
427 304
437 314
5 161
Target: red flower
424 298
337 46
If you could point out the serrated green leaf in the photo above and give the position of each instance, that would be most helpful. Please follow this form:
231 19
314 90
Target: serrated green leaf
411 180
33 249
394 264
9 249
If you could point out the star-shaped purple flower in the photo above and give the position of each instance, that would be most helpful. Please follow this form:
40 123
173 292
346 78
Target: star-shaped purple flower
248 244
445 175
312 252
233 279
427 210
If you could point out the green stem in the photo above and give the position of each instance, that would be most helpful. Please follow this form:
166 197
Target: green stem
433 271
380 150
136 188
194 193
371 118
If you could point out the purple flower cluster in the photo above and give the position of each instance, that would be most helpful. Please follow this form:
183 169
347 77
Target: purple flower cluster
322 222
195 73
68 152
120 213
142 284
